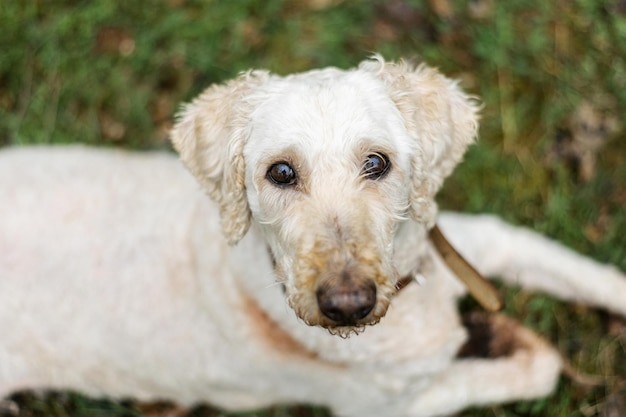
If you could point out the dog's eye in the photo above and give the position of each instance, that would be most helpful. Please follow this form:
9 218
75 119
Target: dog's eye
375 166
282 173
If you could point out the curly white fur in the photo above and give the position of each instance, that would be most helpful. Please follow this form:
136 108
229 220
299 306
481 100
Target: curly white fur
118 277
325 123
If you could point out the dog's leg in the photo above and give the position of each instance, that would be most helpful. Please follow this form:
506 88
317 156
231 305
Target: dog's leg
517 365
522 257
507 362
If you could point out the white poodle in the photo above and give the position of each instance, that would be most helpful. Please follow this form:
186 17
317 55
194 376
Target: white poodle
120 278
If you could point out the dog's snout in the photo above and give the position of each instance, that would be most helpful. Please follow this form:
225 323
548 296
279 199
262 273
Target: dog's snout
347 302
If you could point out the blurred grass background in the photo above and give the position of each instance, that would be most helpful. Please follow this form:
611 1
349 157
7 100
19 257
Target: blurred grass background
551 155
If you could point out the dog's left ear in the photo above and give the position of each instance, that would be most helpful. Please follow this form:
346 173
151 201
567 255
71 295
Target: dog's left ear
440 118
209 136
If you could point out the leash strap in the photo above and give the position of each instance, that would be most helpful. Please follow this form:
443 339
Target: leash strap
482 290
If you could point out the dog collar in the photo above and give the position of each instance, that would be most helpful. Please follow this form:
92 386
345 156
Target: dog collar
403 282
482 290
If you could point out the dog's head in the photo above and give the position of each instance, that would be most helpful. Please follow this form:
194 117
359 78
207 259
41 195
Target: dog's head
328 164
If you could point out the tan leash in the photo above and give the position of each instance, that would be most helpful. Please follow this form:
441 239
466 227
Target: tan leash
482 290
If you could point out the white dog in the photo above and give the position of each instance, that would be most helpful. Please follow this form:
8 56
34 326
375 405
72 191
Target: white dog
119 277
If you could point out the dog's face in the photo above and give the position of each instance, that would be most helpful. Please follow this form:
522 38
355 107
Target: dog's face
329 164
327 179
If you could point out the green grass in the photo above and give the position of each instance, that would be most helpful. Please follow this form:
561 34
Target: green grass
112 73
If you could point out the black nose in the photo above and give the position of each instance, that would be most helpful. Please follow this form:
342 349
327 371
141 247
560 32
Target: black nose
347 302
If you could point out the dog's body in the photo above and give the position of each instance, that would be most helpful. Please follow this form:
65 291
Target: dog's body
117 278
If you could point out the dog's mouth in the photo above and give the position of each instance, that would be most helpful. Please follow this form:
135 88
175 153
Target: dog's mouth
342 310
347 305
349 309
343 306
338 288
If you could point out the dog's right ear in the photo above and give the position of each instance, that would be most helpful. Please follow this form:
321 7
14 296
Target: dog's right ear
209 135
